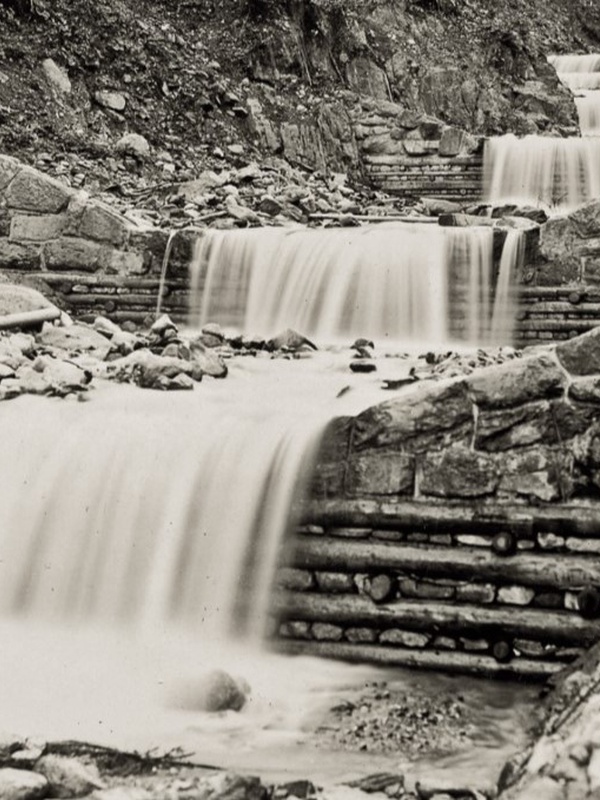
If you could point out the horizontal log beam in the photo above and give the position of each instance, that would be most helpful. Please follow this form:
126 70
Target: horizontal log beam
556 627
519 668
477 517
565 571
27 319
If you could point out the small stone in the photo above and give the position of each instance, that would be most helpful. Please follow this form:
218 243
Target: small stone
444 643
215 691
115 101
56 76
133 144
515 595
236 149
476 593
75 338
68 777
362 365
299 580
404 638
162 325
295 630
361 635
290 340
21 784
550 541
335 582
325 632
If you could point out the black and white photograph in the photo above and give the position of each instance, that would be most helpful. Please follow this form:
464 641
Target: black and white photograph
300 399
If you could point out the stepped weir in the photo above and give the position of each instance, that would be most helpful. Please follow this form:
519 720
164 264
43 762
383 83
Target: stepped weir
448 524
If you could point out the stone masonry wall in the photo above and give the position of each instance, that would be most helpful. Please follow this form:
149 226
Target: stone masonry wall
414 155
457 526
94 259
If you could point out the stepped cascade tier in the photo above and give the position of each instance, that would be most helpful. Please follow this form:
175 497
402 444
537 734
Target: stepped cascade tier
413 283
540 170
581 74
560 174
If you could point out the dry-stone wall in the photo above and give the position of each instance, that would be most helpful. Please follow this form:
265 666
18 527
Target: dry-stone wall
457 526
96 260
412 155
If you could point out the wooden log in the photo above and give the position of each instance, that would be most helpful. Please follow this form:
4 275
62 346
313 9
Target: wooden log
560 627
459 517
373 217
443 661
28 319
547 570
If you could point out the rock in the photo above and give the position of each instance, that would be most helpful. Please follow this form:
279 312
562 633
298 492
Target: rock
9 744
69 777
434 206
21 784
57 76
270 205
362 365
162 325
216 691
517 381
106 326
458 471
115 101
206 363
32 382
16 299
76 338
62 376
239 212
124 343
515 595
302 789
133 144
228 786
428 412
151 371
581 355
290 340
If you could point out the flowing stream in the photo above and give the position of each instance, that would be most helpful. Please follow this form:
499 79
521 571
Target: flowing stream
409 283
140 531
549 171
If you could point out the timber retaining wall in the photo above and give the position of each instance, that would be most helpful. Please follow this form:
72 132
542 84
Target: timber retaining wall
457 526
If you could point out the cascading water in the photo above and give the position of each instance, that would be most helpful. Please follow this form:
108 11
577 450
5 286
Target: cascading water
559 174
408 283
582 75
542 170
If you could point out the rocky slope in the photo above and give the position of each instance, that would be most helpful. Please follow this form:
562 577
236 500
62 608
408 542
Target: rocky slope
215 84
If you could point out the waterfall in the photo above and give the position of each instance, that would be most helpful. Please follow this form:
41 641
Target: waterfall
505 300
148 511
542 170
560 174
581 74
393 282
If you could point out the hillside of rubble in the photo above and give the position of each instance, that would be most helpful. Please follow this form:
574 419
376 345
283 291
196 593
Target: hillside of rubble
217 84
